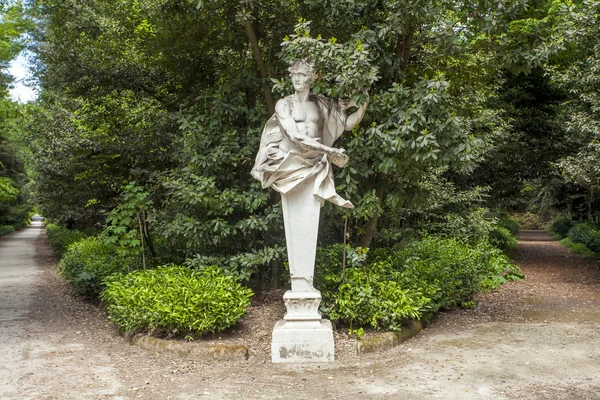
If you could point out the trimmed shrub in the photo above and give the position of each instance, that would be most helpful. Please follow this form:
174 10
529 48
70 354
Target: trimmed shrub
460 269
586 234
561 226
176 300
379 296
511 225
389 287
89 262
6 229
60 238
503 239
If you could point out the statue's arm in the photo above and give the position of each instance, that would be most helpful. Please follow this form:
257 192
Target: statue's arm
288 125
353 119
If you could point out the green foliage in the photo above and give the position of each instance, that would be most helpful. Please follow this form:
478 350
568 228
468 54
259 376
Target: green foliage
60 238
502 238
578 248
174 96
377 297
439 207
386 288
511 225
12 27
8 192
561 226
242 265
519 166
89 262
528 220
6 229
176 300
211 205
127 224
14 193
357 333
578 72
586 234
345 69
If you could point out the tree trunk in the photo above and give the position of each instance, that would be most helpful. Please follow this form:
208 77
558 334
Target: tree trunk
274 274
404 45
148 237
252 33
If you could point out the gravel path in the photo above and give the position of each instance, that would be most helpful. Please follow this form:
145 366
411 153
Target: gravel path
535 339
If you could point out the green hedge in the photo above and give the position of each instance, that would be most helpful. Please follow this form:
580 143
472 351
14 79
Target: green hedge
89 262
502 238
60 238
174 299
561 226
586 234
511 225
386 288
578 248
6 229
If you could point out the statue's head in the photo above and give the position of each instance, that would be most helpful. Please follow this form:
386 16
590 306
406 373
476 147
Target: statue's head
302 74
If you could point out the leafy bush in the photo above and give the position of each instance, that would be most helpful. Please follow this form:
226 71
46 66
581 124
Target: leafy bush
577 248
561 226
503 239
60 238
386 287
460 269
470 225
177 300
20 225
586 234
378 296
6 229
511 225
16 216
528 220
89 262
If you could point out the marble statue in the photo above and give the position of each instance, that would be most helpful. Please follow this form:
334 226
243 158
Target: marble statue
297 141
295 158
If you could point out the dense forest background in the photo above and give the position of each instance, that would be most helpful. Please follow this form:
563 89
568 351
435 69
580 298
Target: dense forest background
150 113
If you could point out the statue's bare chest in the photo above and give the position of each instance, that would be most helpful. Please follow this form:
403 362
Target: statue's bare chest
306 112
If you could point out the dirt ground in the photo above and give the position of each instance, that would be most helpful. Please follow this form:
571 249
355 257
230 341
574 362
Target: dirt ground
535 339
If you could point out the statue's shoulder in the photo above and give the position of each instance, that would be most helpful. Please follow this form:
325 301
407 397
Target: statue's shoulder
286 103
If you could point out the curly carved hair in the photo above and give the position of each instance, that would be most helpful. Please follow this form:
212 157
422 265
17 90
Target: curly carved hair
299 64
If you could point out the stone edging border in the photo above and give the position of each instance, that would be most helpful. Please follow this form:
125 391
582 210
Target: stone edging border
225 352
218 352
387 340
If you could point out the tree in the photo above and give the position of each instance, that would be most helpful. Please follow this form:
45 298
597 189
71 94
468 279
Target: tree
430 69
173 96
13 177
579 75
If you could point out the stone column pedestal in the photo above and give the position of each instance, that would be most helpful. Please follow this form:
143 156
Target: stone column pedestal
302 336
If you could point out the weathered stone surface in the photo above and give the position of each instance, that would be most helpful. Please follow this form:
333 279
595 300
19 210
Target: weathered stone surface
192 350
302 342
387 340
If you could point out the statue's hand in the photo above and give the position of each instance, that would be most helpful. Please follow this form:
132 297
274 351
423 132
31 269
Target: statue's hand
339 157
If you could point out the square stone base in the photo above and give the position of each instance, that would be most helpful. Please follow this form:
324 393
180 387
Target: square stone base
302 342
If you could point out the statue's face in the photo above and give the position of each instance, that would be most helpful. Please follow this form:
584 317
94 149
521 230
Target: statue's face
301 79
